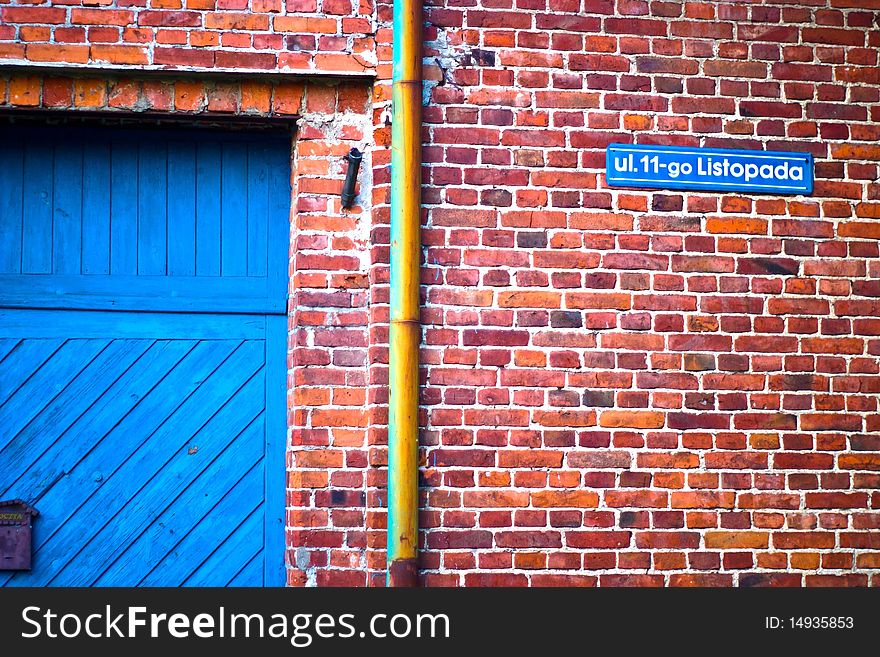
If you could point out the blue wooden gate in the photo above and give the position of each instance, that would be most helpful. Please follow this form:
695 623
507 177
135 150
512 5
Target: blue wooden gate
143 287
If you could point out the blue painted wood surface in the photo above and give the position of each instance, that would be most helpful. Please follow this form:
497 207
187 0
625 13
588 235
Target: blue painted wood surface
11 183
143 282
178 212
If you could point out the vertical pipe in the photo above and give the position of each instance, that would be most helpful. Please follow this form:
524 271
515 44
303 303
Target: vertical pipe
405 331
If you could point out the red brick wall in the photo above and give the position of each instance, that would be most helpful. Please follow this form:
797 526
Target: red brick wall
329 265
286 35
621 387
627 387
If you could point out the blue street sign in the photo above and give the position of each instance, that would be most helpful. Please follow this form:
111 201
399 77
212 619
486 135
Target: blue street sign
721 169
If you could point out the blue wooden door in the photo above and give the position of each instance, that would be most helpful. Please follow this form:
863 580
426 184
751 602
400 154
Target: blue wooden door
143 286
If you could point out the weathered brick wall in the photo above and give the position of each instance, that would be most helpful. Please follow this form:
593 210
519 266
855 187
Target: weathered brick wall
286 35
629 387
621 387
330 256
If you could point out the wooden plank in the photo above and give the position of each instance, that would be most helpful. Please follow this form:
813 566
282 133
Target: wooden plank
53 421
152 207
122 325
143 293
45 385
36 257
233 212
6 347
123 208
168 468
235 552
257 209
279 220
167 528
24 360
250 575
11 189
180 561
60 451
67 208
79 504
96 205
208 209
67 495
275 494
181 208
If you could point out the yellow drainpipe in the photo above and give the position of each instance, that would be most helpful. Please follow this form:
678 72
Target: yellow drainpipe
405 330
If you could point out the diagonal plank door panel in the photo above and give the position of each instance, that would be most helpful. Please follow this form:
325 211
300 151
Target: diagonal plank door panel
176 419
143 299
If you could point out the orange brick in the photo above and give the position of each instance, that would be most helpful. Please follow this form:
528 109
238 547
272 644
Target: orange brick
496 479
308 479
597 301
736 225
101 16
287 98
319 458
737 540
496 498
703 500
34 33
870 560
773 560
565 498
341 63
804 560
855 152
343 437
311 396
764 441
124 94
234 21
529 299
857 461
530 560
339 418
321 98
637 122
223 98
863 229
75 54
25 91
189 96
669 560
565 418
307 518
158 94
256 97
120 54
89 93
529 358
300 24
11 51
353 97
57 92
632 419
204 39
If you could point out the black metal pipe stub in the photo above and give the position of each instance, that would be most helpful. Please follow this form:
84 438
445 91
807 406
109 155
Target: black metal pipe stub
349 195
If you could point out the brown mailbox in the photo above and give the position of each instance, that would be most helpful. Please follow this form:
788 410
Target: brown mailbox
16 524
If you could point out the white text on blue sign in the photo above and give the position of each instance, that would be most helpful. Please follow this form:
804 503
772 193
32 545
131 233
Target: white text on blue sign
674 167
